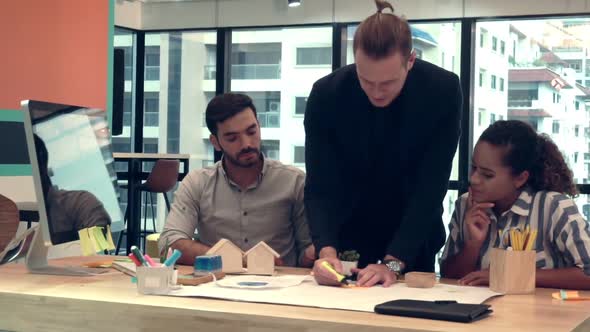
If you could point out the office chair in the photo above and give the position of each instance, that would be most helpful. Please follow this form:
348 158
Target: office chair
162 179
9 220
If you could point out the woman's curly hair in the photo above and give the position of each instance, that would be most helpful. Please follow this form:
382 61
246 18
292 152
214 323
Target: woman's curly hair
536 153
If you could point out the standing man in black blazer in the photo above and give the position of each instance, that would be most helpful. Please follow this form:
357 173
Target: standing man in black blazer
380 139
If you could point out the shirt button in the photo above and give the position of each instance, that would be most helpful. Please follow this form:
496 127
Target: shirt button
245 213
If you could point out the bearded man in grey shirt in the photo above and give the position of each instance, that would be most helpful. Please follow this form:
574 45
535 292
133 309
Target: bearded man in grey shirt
244 198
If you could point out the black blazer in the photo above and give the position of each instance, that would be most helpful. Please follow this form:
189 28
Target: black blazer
425 128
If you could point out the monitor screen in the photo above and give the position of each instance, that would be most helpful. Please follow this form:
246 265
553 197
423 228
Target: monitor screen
75 169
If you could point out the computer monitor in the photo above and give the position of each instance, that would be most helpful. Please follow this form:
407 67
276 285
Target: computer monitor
75 183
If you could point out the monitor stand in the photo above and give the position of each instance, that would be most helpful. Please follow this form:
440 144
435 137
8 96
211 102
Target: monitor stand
36 259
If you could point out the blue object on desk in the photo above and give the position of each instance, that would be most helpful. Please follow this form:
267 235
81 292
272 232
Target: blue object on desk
173 258
207 264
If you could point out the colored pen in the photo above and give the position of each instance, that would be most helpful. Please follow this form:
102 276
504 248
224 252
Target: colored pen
173 258
134 259
149 260
139 256
330 268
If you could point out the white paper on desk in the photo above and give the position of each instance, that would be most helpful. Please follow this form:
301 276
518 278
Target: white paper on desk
310 294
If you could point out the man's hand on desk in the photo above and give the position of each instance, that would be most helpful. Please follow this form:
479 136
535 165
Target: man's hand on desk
320 273
476 278
375 274
308 256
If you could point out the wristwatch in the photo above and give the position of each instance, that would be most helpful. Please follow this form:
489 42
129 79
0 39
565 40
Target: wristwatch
394 266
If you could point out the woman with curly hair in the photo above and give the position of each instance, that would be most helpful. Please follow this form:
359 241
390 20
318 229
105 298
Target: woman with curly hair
518 179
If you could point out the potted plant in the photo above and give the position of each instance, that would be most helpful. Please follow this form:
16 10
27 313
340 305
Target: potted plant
349 260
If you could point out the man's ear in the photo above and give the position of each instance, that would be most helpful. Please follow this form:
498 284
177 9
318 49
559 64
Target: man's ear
215 142
521 179
411 60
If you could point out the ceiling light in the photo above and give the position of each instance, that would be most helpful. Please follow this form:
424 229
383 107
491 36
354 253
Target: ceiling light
294 3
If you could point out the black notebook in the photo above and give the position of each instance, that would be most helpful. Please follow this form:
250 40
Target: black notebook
441 310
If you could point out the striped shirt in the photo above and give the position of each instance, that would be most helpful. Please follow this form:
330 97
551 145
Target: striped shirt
563 238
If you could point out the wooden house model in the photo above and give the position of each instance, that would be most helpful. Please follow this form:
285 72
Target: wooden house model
261 259
231 256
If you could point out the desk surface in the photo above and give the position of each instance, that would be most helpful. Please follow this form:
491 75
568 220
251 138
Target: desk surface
41 302
126 155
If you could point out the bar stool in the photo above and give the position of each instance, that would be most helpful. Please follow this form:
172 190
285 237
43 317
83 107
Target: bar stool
9 221
162 179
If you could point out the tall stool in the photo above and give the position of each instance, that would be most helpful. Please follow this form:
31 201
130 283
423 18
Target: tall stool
162 179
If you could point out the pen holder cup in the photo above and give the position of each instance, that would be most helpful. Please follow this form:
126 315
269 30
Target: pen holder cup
512 272
154 280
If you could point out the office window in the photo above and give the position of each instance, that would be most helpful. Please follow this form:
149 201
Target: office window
482 76
492 118
494 43
555 127
125 39
480 115
210 66
501 84
300 105
577 105
277 67
502 47
314 56
482 37
151 109
268 107
493 84
174 106
299 155
152 63
577 130
419 53
271 149
253 60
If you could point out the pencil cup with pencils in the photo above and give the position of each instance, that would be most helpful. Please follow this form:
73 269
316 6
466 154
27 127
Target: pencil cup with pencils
513 264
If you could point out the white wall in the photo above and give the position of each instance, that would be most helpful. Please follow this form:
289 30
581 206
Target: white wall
221 13
128 14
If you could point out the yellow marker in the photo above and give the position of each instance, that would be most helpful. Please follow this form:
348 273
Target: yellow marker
330 268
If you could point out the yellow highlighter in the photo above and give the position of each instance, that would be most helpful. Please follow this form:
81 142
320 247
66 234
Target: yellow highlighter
330 268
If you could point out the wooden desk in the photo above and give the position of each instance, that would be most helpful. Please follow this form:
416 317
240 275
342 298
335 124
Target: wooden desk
134 176
110 303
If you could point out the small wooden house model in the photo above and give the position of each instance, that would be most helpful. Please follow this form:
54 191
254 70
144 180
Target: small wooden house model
261 259
231 256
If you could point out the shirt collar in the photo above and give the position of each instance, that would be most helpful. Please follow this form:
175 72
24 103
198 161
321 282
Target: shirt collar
522 205
221 169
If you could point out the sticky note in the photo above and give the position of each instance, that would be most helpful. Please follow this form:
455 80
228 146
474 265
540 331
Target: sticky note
85 242
111 245
99 237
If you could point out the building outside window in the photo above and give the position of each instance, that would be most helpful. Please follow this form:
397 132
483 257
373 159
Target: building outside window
314 56
300 105
277 68
299 155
